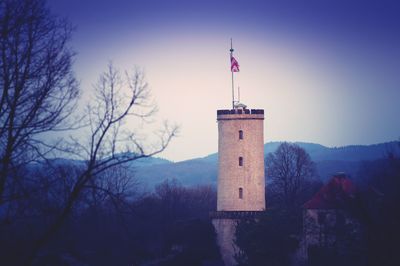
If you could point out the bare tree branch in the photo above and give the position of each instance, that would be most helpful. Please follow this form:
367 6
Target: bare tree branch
38 91
289 168
106 117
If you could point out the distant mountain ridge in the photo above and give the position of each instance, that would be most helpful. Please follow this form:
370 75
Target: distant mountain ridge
351 152
151 171
200 171
319 152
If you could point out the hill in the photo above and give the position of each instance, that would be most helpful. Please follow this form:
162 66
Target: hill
329 160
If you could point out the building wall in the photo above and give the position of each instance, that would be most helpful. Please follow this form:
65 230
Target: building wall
226 229
250 176
331 236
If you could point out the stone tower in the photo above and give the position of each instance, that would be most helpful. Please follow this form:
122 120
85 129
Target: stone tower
241 181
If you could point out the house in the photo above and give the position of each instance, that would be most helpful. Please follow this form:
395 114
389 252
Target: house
333 232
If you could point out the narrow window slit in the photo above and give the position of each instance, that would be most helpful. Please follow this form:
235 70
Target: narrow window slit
240 134
240 193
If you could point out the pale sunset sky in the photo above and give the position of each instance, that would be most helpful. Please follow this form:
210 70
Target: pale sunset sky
326 72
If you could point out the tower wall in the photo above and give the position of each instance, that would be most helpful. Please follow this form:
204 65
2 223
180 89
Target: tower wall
250 175
226 230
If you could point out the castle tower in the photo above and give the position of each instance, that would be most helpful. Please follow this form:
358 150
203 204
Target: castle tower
241 181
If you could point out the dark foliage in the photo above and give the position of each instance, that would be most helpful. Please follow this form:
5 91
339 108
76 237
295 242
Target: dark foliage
193 241
381 198
168 227
269 240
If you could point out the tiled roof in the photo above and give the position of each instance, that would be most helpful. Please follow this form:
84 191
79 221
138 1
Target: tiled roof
334 195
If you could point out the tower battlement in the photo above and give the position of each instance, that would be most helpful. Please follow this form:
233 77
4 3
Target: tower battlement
240 114
240 111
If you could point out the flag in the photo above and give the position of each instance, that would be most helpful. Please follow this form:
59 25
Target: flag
234 65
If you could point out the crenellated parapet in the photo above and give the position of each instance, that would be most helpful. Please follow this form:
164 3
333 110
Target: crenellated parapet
240 111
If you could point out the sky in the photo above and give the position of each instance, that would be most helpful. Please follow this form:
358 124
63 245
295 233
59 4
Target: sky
326 72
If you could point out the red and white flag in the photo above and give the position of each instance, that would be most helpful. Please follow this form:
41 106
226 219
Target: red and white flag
234 65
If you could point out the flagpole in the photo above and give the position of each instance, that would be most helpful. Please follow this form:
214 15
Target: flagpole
233 90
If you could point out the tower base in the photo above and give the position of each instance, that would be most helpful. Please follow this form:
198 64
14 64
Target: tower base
225 223
226 229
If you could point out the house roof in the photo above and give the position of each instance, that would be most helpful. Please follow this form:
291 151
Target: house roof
336 194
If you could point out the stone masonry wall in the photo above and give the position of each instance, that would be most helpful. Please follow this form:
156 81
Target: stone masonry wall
225 229
250 176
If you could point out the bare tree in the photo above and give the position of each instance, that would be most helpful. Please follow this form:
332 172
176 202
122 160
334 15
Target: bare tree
38 93
290 170
38 90
110 144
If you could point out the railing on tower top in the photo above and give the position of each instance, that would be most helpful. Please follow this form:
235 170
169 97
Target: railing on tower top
240 111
